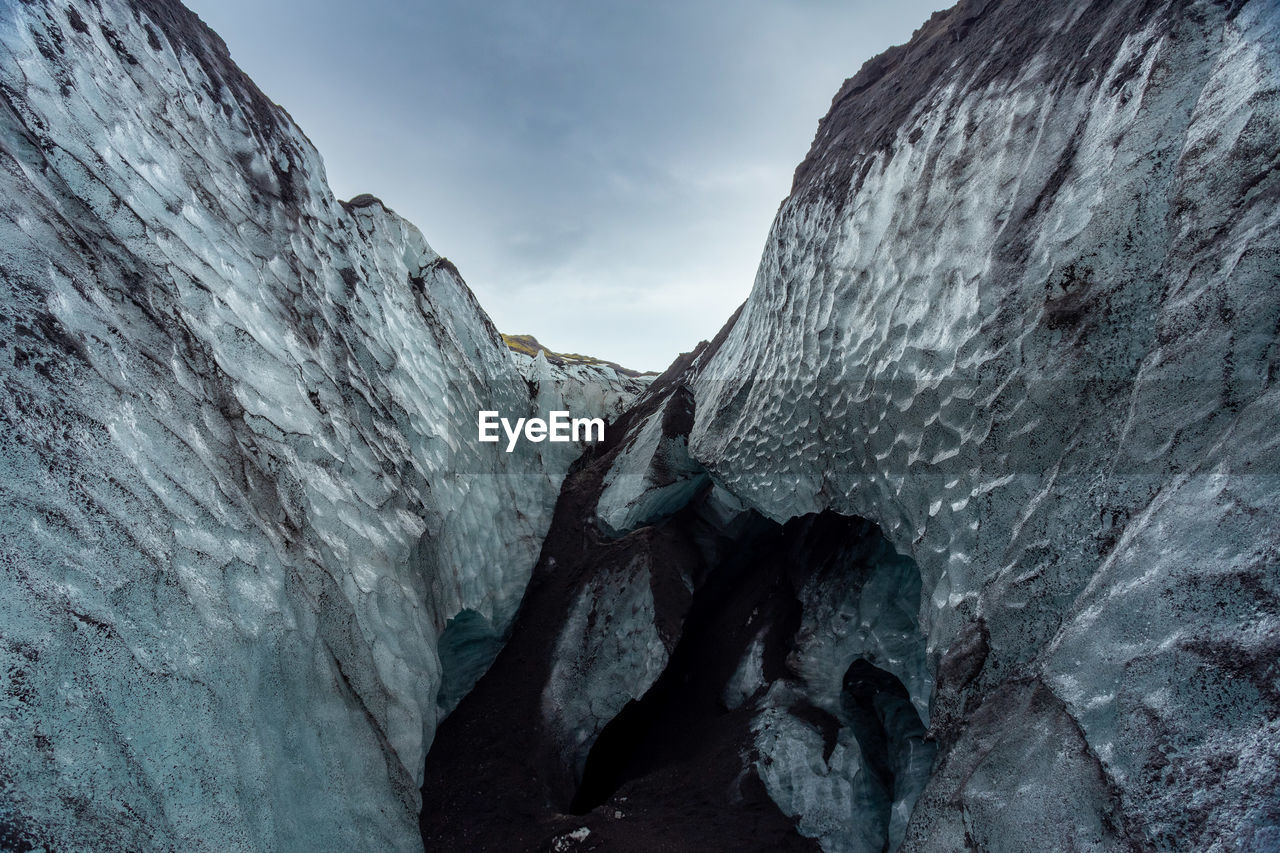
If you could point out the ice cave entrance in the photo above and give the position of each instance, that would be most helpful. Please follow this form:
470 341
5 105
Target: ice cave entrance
843 657
896 756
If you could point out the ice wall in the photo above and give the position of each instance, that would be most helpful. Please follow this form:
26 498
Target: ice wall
1021 310
242 493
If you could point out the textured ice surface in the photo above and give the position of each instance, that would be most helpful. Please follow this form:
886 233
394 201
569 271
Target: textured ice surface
467 646
584 390
242 491
859 609
873 616
847 617
748 677
654 475
1025 320
827 792
610 652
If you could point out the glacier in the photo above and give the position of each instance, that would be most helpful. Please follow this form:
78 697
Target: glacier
1020 310
974 502
686 673
962 533
243 497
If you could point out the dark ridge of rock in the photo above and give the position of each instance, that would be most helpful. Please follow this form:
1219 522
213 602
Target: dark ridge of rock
364 200
228 84
983 42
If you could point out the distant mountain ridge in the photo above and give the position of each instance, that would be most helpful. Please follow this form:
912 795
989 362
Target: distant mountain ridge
531 346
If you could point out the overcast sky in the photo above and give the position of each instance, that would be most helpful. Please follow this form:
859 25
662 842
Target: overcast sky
603 173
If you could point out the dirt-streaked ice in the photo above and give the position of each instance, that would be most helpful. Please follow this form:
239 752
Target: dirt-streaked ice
242 490
1026 321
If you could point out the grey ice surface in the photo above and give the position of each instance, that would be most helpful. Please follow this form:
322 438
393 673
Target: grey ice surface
242 492
1031 332
1024 320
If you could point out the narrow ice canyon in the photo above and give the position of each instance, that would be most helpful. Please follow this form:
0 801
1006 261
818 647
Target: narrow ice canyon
963 533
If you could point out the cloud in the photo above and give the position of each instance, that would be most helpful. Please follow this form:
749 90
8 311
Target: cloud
603 173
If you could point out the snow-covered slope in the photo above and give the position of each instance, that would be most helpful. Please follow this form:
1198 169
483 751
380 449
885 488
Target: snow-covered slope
242 493
1021 310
